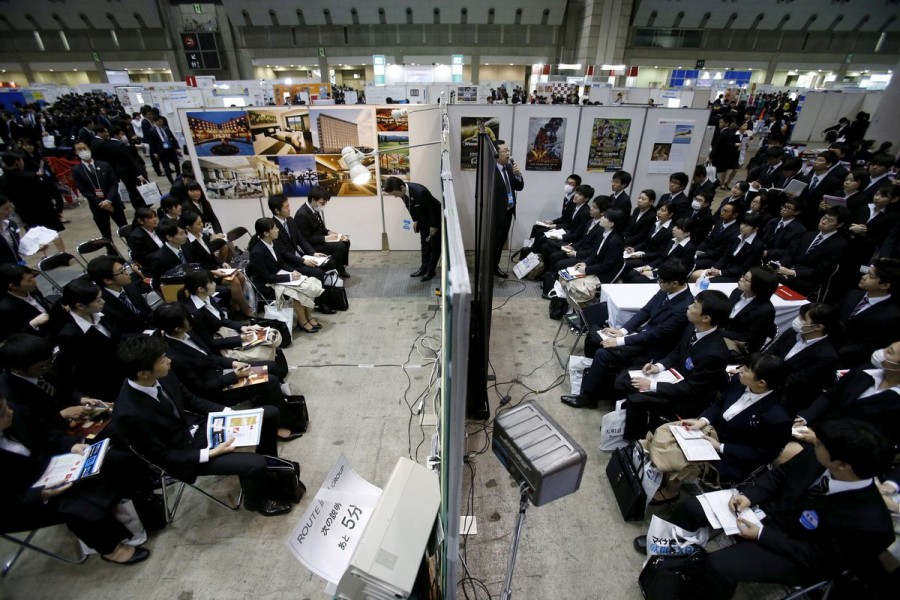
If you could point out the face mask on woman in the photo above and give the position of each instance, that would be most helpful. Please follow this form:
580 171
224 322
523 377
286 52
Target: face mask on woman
878 361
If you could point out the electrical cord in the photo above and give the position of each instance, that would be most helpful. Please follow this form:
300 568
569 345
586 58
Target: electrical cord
470 505
522 289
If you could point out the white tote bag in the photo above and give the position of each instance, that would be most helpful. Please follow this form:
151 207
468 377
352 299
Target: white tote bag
284 313
667 538
612 429
150 193
577 365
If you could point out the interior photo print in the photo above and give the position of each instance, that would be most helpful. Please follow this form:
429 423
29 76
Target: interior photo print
333 175
280 132
220 133
240 177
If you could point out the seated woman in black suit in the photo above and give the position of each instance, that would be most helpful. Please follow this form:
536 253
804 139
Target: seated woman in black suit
143 240
752 317
208 321
86 507
655 242
212 254
642 219
576 252
607 261
273 279
751 425
680 247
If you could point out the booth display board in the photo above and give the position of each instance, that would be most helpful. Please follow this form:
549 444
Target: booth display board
547 138
308 92
671 146
823 109
469 128
241 157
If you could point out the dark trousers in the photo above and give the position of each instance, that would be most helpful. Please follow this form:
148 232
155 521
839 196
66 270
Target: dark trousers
502 222
137 201
260 394
599 379
338 251
644 412
250 468
169 158
744 561
431 248
102 218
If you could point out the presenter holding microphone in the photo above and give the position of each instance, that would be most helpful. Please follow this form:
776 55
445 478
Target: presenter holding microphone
507 182
425 211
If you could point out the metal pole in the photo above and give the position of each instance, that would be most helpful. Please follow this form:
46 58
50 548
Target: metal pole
517 535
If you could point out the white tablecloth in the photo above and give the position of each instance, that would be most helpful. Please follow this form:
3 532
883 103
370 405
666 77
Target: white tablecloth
623 300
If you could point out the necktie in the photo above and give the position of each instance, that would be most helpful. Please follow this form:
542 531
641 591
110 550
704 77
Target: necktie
814 183
820 488
505 180
860 306
128 303
167 401
780 226
46 387
181 256
815 243
693 339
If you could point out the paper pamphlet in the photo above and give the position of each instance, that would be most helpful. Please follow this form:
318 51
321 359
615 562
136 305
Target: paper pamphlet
318 259
604 337
667 376
242 425
627 255
570 273
834 200
795 187
260 335
34 238
257 375
693 445
555 234
719 513
331 527
72 467
541 224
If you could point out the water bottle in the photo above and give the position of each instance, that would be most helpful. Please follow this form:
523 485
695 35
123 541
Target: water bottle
703 283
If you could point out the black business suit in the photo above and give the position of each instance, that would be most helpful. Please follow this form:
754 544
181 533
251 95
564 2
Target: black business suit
768 176
291 247
263 269
621 201
814 267
715 244
127 320
562 221
164 260
204 209
607 261
703 223
201 252
673 251
702 365
782 241
753 324
16 314
706 187
141 245
89 359
584 248
809 371
733 265
101 176
425 211
639 226
806 538
868 330
118 155
506 185
164 145
656 327
9 250
86 508
681 204
159 431
41 403
652 246
576 230
312 227
739 203
751 438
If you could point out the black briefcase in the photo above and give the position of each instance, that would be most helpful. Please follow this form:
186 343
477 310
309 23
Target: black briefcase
672 576
296 405
336 298
626 480
284 480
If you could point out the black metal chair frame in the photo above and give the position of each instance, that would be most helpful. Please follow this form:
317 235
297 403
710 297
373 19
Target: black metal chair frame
55 261
26 543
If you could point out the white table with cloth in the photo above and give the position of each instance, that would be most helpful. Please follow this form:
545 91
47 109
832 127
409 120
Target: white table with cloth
623 300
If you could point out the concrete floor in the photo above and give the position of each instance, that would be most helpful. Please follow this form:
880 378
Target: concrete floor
577 547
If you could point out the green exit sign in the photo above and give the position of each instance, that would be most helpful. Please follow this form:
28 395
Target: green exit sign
198 9
321 51
95 56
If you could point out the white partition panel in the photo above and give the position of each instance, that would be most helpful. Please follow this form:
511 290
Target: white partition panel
464 181
643 177
602 180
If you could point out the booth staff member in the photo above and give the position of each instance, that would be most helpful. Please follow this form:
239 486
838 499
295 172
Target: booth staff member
97 182
507 181
425 211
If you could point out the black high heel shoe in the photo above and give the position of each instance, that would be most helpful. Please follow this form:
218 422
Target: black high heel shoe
305 330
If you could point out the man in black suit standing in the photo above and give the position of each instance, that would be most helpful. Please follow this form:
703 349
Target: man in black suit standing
425 211
700 358
126 166
311 224
98 184
151 417
124 305
655 328
821 252
824 514
507 181
164 147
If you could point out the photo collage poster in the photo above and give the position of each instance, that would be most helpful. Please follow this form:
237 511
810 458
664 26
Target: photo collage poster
393 144
609 142
257 152
469 128
546 139
670 151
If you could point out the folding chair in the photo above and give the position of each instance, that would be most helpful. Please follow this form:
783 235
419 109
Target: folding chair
55 261
26 543
95 245
123 232
821 293
577 315
167 480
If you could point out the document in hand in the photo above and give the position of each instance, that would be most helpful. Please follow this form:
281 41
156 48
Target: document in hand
719 514
834 200
257 375
36 237
70 467
318 259
667 376
555 234
693 445
795 187
242 425
570 273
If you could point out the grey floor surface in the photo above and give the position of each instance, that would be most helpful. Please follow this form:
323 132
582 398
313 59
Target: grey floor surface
577 547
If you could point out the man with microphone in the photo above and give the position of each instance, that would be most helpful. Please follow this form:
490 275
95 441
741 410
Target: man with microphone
425 211
507 182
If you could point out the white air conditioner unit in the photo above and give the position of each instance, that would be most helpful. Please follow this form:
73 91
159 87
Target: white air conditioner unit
387 559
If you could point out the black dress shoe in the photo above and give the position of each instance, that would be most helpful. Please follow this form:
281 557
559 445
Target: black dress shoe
271 508
418 272
546 296
578 401
640 544
140 555
427 277
325 309
293 436
343 273
500 274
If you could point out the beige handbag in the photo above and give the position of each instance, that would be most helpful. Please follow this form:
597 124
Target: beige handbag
265 350
667 456
582 289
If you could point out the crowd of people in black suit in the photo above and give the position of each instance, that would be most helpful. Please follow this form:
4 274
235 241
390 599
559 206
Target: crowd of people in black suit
821 400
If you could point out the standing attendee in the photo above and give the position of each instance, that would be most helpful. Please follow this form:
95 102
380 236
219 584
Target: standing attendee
425 211
118 155
164 147
507 181
725 151
311 222
9 235
33 196
98 184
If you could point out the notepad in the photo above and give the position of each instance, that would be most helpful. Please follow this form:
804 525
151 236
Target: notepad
795 187
693 445
555 234
319 260
667 376
719 514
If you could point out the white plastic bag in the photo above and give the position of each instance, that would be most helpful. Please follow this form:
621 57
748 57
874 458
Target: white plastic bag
651 477
612 429
285 314
577 365
667 538
150 193
526 265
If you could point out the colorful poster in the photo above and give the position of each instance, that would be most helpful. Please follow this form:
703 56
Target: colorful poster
671 147
469 128
220 133
280 131
332 174
296 174
385 120
239 177
609 142
546 138
335 129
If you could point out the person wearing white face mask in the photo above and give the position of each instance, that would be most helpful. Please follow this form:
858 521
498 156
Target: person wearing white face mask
97 182
565 217
868 394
